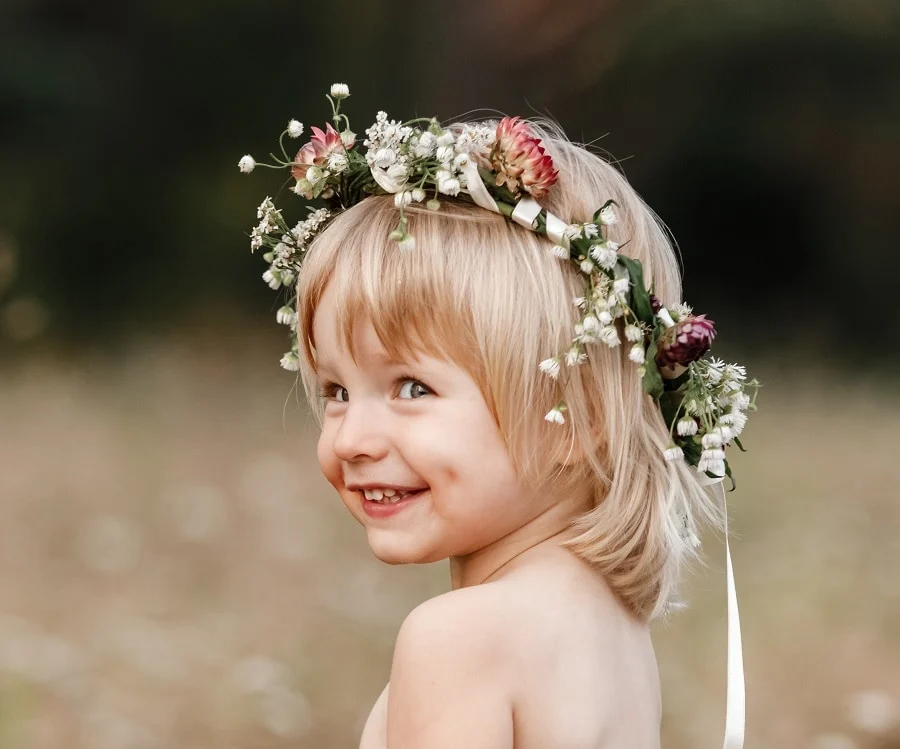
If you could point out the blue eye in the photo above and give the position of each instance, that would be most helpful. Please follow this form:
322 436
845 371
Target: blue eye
329 390
414 383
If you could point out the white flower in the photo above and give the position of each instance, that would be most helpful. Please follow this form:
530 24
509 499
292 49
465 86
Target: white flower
550 367
610 336
461 160
633 333
402 199
384 157
348 138
265 208
605 254
271 279
636 354
444 154
247 164
591 324
337 161
591 230
735 372
741 402
290 361
426 145
682 310
295 128
604 317
554 415
736 421
621 286
286 316
407 244
579 302
559 251
608 216
572 231
575 357
686 427
711 462
587 266
712 438
314 174
340 90
673 453
418 195
449 186
445 138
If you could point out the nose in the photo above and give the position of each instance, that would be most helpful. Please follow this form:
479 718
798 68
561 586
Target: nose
362 433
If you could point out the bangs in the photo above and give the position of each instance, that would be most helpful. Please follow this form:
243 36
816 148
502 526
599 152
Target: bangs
415 300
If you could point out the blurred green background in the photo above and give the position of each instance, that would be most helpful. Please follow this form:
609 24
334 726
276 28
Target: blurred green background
174 571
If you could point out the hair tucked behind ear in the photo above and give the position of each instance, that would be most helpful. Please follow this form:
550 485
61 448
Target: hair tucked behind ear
490 295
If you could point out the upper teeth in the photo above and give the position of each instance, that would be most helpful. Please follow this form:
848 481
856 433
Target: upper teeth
388 495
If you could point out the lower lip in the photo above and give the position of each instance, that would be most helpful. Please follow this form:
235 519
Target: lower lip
379 510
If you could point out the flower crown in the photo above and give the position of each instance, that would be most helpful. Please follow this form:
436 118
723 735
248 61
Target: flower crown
504 168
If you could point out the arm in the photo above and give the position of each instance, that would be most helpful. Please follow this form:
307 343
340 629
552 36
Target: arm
450 678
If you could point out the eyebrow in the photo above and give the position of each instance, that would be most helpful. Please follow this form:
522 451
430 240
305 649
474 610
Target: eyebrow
381 357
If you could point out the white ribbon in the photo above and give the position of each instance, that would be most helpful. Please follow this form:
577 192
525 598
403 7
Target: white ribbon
475 187
735 696
525 213
556 230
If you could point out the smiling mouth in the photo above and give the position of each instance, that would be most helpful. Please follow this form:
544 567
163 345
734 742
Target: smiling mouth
384 499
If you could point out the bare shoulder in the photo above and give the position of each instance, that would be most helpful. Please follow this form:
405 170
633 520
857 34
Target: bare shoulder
451 675
545 656
587 672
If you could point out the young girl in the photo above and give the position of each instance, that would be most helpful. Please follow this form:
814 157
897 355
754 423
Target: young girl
496 385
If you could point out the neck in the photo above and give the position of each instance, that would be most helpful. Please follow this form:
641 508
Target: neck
548 529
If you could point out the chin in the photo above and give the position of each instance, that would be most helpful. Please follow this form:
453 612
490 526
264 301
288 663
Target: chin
391 552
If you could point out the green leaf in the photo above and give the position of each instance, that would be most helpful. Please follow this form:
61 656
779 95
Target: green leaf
652 380
740 446
730 476
639 295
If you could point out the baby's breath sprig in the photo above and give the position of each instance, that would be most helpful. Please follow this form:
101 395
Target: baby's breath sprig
504 168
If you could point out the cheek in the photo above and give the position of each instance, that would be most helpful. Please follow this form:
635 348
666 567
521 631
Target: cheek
328 461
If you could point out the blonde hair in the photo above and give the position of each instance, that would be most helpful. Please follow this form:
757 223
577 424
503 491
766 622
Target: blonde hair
491 297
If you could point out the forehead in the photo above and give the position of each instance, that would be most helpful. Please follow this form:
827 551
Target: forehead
329 341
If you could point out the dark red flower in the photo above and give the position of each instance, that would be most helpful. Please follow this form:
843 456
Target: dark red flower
685 342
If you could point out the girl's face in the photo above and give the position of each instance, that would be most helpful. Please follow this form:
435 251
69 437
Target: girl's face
422 424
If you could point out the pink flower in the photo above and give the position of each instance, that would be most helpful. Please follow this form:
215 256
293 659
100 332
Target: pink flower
520 161
317 151
685 342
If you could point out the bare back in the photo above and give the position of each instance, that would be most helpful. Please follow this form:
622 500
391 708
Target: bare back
585 675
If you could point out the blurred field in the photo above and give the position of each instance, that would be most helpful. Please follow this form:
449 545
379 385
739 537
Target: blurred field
174 572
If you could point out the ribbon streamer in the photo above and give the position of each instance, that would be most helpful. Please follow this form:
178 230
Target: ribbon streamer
735 701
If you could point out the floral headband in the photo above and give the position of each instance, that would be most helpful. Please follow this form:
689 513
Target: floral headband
503 168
